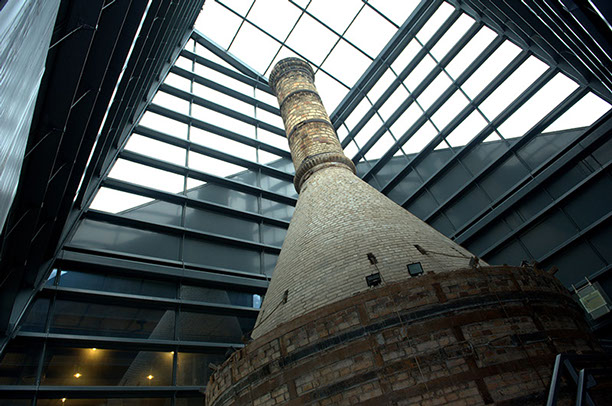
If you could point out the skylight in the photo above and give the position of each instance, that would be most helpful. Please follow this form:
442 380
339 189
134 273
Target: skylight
450 80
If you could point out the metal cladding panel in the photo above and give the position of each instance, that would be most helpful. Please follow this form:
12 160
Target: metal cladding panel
25 33
105 236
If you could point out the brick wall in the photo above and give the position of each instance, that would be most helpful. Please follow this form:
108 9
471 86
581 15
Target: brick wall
470 337
338 219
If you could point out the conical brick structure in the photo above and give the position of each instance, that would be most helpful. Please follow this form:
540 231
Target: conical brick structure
369 305
339 219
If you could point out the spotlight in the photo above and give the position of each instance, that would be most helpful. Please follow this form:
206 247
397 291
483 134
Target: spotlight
373 280
372 258
149 377
94 349
415 269
474 262
78 375
63 400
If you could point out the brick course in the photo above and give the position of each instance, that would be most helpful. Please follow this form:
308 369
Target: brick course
490 346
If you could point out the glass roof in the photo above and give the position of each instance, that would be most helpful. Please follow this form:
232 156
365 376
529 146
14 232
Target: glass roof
452 82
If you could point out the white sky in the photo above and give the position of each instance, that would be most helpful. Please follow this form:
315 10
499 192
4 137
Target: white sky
340 38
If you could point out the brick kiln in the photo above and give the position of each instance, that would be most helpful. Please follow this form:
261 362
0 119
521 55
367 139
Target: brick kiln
370 305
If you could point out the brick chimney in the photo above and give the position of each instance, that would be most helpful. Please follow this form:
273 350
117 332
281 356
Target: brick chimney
339 219
369 305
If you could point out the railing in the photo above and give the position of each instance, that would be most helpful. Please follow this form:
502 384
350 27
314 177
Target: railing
587 372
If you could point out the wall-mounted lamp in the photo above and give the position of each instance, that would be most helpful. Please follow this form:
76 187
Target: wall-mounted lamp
373 280
415 269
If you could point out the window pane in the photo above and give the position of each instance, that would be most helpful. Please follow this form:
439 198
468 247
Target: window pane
117 284
215 328
79 318
65 366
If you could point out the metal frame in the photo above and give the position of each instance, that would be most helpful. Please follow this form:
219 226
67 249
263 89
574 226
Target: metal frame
540 29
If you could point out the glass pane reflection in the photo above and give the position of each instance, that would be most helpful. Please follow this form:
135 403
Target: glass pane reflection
97 366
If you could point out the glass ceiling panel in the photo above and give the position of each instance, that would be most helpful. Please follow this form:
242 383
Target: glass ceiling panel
450 109
362 108
419 140
396 11
156 149
466 56
346 63
512 87
171 102
368 130
164 124
363 36
435 22
382 145
454 34
408 117
393 102
265 14
330 90
115 201
582 114
490 68
407 55
419 73
543 102
146 176
381 85
224 23
312 39
337 14
222 144
467 130
254 48
434 90
261 32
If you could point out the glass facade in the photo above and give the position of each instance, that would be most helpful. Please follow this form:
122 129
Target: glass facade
445 114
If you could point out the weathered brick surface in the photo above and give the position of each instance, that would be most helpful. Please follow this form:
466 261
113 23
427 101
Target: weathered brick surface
339 219
383 347
453 336
312 138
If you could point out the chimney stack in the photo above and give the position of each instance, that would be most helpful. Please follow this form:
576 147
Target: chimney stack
311 135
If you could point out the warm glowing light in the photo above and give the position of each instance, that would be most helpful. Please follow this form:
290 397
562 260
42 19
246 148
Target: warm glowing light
150 377
77 375
94 349
172 352
63 400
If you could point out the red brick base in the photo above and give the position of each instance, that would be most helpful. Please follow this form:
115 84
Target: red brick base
468 337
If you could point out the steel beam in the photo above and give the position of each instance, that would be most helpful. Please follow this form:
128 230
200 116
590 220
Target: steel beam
205 177
175 230
138 265
153 302
195 147
202 125
181 199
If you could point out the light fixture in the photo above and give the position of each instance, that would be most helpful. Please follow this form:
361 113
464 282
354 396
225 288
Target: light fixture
373 280
415 269
78 375
94 349
63 400
150 377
